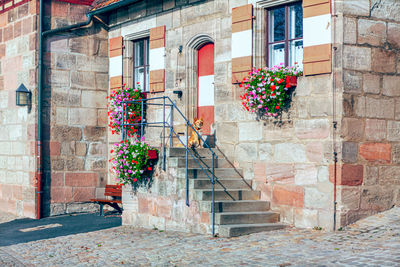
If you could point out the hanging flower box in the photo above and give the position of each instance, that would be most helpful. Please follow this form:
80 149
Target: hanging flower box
268 90
291 81
133 110
152 154
131 161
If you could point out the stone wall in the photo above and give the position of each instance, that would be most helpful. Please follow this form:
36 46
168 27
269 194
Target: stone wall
370 127
18 60
75 112
163 205
287 159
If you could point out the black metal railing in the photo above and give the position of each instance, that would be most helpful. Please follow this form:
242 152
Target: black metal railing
167 103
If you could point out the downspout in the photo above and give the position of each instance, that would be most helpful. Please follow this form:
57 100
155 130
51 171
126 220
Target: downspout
334 117
38 191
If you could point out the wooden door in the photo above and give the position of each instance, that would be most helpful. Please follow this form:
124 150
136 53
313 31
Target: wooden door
205 86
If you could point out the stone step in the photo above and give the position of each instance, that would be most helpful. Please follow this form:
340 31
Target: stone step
246 217
231 194
220 173
245 229
235 206
205 183
207 163
202 152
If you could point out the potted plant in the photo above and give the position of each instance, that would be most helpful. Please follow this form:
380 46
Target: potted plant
131 162
133 110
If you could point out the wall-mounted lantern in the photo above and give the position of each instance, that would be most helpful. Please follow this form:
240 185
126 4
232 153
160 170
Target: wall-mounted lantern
24 96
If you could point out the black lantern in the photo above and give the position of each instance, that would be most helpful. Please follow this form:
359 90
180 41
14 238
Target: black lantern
23 97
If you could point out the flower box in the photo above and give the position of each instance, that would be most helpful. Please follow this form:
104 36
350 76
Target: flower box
291 81
268 90
152 153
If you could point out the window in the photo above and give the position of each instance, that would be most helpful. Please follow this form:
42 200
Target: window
285 35
141 63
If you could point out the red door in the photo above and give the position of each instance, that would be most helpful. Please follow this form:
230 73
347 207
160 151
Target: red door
205 86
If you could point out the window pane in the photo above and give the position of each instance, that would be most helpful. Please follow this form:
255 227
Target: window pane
295 21
296 53
139 53
139 77
276 54
276 25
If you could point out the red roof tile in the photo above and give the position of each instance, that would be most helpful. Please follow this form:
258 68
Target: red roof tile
97 4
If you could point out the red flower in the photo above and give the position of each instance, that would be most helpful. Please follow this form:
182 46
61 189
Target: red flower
149 168
277 107
134 179
112 150
273 87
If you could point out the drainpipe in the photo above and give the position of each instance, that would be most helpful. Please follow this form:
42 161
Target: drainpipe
334 117
38 191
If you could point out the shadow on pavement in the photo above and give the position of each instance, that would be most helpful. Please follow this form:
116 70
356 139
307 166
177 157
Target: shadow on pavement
26 230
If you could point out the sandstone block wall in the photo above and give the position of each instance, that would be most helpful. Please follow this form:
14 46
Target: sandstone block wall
18 61
370 127
75 112
163 206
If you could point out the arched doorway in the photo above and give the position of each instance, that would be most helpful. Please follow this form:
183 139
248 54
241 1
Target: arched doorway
205 86
192 52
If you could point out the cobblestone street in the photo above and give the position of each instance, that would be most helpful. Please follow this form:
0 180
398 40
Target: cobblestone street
374 241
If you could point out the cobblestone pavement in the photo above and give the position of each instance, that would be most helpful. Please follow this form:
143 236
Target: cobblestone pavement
374 241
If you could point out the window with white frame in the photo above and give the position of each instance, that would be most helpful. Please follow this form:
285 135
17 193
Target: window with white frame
141 63
285 35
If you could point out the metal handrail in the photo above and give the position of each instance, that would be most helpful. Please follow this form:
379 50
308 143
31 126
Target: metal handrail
188 151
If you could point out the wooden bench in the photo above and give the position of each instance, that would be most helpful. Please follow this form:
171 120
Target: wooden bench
115 193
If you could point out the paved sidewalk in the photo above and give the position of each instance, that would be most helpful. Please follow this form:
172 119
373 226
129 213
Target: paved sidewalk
23 230
374 241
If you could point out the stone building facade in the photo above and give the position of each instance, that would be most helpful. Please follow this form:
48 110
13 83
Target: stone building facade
338 142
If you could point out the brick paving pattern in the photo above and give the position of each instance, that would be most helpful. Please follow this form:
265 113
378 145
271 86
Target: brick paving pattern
374 241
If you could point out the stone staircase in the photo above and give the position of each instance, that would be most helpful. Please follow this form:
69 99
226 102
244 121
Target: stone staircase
238 208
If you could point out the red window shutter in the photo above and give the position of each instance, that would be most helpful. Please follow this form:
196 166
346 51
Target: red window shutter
157 50
242 25
115 54
317 59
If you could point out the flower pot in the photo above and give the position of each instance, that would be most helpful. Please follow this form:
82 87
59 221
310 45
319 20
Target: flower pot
152 154
291 80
